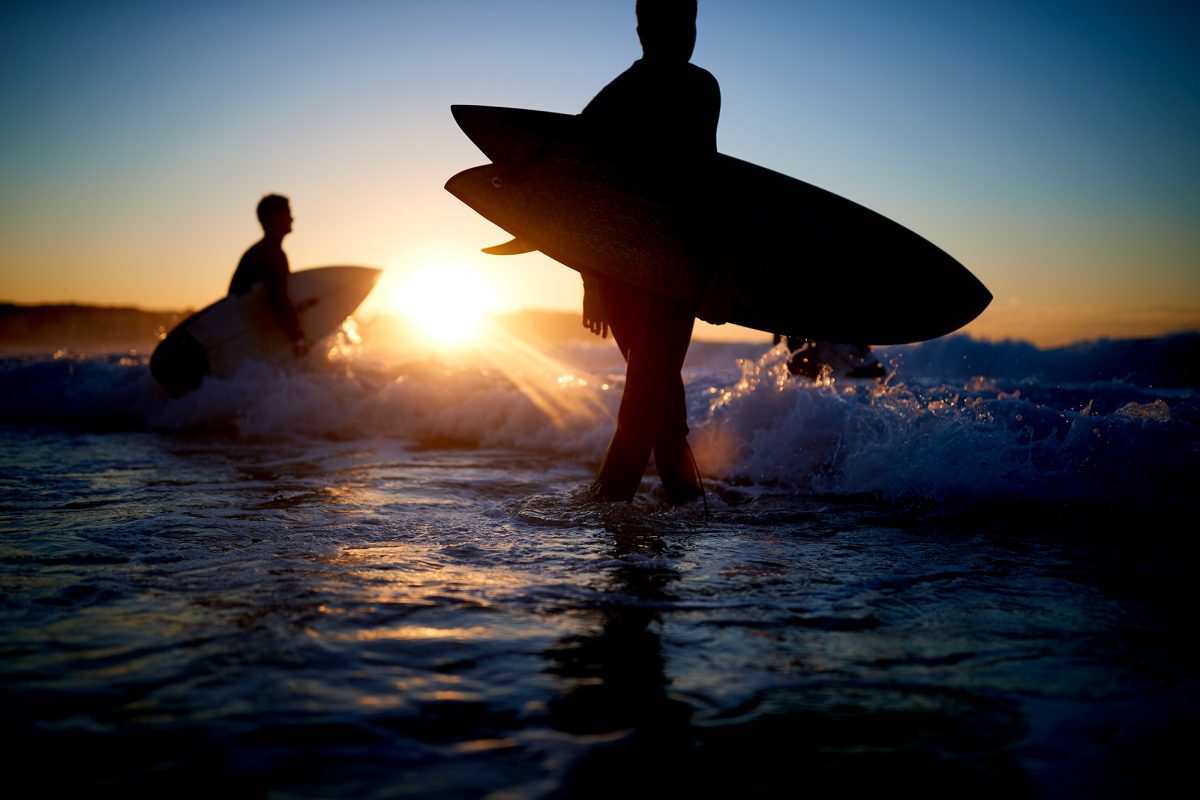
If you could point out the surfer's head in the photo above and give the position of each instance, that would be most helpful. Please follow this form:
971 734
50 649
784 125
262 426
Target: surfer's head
275 215
667 28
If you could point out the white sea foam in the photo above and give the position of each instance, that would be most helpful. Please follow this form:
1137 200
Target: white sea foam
941 438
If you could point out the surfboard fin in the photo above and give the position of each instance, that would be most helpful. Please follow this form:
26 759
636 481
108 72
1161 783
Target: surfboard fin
511 248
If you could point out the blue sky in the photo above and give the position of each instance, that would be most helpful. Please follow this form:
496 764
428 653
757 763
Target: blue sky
1049 146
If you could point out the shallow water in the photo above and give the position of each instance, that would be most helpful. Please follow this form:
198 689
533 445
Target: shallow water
943 584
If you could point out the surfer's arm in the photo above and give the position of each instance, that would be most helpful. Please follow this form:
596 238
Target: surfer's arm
281 307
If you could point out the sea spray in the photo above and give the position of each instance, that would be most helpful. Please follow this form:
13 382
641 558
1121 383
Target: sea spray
928 435
942 442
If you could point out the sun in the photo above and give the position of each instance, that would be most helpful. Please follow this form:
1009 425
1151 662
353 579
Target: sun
448 304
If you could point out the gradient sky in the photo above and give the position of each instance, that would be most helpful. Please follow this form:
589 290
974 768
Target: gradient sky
1049 146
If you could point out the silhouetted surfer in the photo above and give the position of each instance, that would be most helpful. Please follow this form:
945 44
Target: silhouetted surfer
265 261
663 110
809 359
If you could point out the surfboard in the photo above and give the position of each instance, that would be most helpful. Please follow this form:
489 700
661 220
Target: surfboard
797 259
237 329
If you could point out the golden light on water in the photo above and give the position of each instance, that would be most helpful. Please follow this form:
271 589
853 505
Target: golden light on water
449 306
526 367
417 633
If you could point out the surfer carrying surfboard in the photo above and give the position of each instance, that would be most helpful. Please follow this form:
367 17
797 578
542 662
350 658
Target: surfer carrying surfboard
663 111
265 261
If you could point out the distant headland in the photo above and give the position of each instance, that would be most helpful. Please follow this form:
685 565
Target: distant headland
116 329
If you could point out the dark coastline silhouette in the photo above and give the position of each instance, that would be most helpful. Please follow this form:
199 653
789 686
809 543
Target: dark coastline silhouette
81 328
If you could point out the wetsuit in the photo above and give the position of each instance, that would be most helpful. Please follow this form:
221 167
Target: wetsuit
266 261
664 114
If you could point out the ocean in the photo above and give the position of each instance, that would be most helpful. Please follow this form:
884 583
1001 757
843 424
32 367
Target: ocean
373 576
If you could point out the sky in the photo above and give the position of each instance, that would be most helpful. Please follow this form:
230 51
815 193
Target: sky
1048 146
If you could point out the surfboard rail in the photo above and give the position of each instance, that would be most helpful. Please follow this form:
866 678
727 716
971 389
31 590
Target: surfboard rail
802 261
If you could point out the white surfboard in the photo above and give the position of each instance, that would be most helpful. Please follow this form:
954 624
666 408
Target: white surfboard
236 329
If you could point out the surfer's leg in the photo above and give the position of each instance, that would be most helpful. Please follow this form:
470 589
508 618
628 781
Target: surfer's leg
677 469
653 334
624 464
670 334
629 312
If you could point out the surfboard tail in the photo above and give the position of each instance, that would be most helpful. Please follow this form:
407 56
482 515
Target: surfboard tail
506 135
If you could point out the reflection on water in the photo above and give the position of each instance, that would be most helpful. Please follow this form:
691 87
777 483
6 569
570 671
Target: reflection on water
614 673
835 733
367 618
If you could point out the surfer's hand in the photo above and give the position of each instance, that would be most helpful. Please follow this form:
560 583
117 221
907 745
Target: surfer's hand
593 311
596 326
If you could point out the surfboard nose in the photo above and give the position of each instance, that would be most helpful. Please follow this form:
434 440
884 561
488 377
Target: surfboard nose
977 295
971 298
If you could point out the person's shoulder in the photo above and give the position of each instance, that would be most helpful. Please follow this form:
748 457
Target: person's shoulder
254 250
634 74
702 76
613 92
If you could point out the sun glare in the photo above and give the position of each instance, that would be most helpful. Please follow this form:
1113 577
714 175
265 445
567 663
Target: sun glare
448 303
